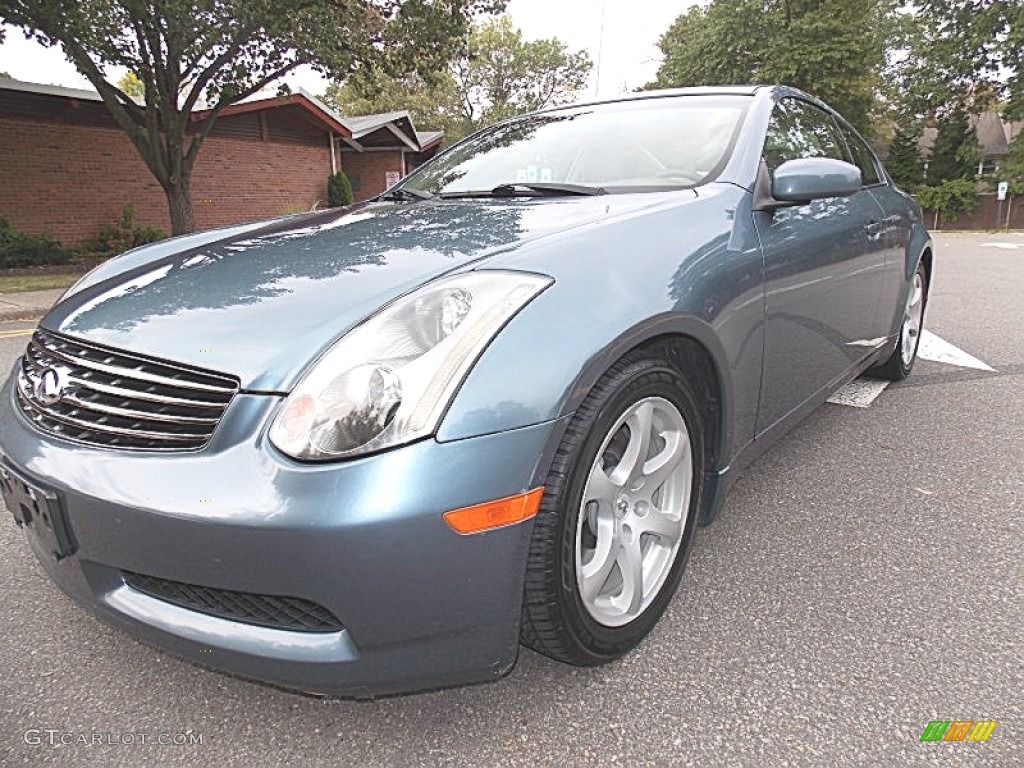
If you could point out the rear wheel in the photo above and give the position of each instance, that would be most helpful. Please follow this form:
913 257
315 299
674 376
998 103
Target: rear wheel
901 362
618 515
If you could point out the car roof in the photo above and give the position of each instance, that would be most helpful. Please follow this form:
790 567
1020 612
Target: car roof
703 90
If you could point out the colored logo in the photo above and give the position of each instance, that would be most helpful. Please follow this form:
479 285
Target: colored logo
958 730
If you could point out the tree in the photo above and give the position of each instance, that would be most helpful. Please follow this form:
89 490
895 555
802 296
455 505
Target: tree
432 99
132 86
833 49
1012 61
502 75
959 55
904 162
955 152
222 51
1013 166
497 75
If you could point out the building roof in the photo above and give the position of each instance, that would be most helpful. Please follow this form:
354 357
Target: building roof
363 124
10 84
993 134
429 139
381 129
373 130
299 97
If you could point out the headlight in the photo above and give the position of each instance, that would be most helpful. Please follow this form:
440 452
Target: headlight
390 379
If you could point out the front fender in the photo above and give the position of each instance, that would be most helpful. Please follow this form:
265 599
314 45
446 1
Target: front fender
691 270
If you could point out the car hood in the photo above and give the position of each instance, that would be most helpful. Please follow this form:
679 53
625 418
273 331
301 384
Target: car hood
260 303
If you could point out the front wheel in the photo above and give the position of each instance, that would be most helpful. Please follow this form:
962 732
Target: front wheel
898 366
618 515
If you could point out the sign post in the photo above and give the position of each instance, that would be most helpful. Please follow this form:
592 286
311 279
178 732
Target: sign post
1002 190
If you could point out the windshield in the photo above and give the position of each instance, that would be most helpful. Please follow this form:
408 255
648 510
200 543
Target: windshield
630 146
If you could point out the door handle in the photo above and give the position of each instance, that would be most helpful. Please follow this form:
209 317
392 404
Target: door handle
874 230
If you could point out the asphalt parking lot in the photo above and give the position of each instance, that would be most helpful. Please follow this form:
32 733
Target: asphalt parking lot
864 578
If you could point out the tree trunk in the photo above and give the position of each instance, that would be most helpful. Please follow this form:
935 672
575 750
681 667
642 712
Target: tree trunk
179 203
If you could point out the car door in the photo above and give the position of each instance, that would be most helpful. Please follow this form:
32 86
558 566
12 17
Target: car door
893 234
887 242
823 272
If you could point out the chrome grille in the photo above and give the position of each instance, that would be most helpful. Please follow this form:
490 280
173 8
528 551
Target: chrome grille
118 399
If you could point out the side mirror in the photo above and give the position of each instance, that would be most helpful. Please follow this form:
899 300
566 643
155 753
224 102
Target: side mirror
812 178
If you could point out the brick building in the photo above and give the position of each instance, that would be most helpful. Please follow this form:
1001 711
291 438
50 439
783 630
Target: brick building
67 168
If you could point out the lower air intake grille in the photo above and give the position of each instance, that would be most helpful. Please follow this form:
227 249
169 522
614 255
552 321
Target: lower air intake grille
292 613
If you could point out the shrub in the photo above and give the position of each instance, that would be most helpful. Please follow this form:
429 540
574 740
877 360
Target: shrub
339 190
21 249
949 199
125 234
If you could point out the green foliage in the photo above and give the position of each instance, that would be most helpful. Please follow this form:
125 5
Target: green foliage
905 163
432 101
503 75
959 55
498 75
833 49
132 85
21 249
1012 167
955 152
339 190
222 51
870 59
126 233
950 198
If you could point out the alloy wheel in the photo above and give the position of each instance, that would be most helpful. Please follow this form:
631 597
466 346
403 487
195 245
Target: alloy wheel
633 511
912 319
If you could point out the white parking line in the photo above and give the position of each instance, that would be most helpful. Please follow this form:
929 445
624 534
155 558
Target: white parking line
860 393
941 351
1004 246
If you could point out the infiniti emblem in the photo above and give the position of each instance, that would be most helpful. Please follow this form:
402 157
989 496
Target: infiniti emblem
50 385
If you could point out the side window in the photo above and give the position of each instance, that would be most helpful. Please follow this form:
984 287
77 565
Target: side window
862 157
799 129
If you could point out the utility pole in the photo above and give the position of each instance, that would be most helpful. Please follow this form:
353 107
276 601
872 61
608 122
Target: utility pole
600 51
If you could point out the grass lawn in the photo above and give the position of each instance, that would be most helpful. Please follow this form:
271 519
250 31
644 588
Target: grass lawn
16 283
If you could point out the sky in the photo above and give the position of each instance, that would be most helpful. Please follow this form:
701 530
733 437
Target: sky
627 50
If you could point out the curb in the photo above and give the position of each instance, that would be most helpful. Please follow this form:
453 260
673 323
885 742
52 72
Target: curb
27 305
21 314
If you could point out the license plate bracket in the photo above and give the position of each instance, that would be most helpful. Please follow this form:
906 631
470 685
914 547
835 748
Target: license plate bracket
38 511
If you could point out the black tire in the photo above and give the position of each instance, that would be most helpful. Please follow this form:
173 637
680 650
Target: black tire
894 369
554 619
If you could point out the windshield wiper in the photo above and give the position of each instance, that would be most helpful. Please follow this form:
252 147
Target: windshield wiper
528 189
406 193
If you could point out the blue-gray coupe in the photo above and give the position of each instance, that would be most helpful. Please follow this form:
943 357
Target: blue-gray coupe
373 449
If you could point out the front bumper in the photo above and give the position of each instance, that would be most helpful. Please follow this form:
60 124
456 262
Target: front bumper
421 606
